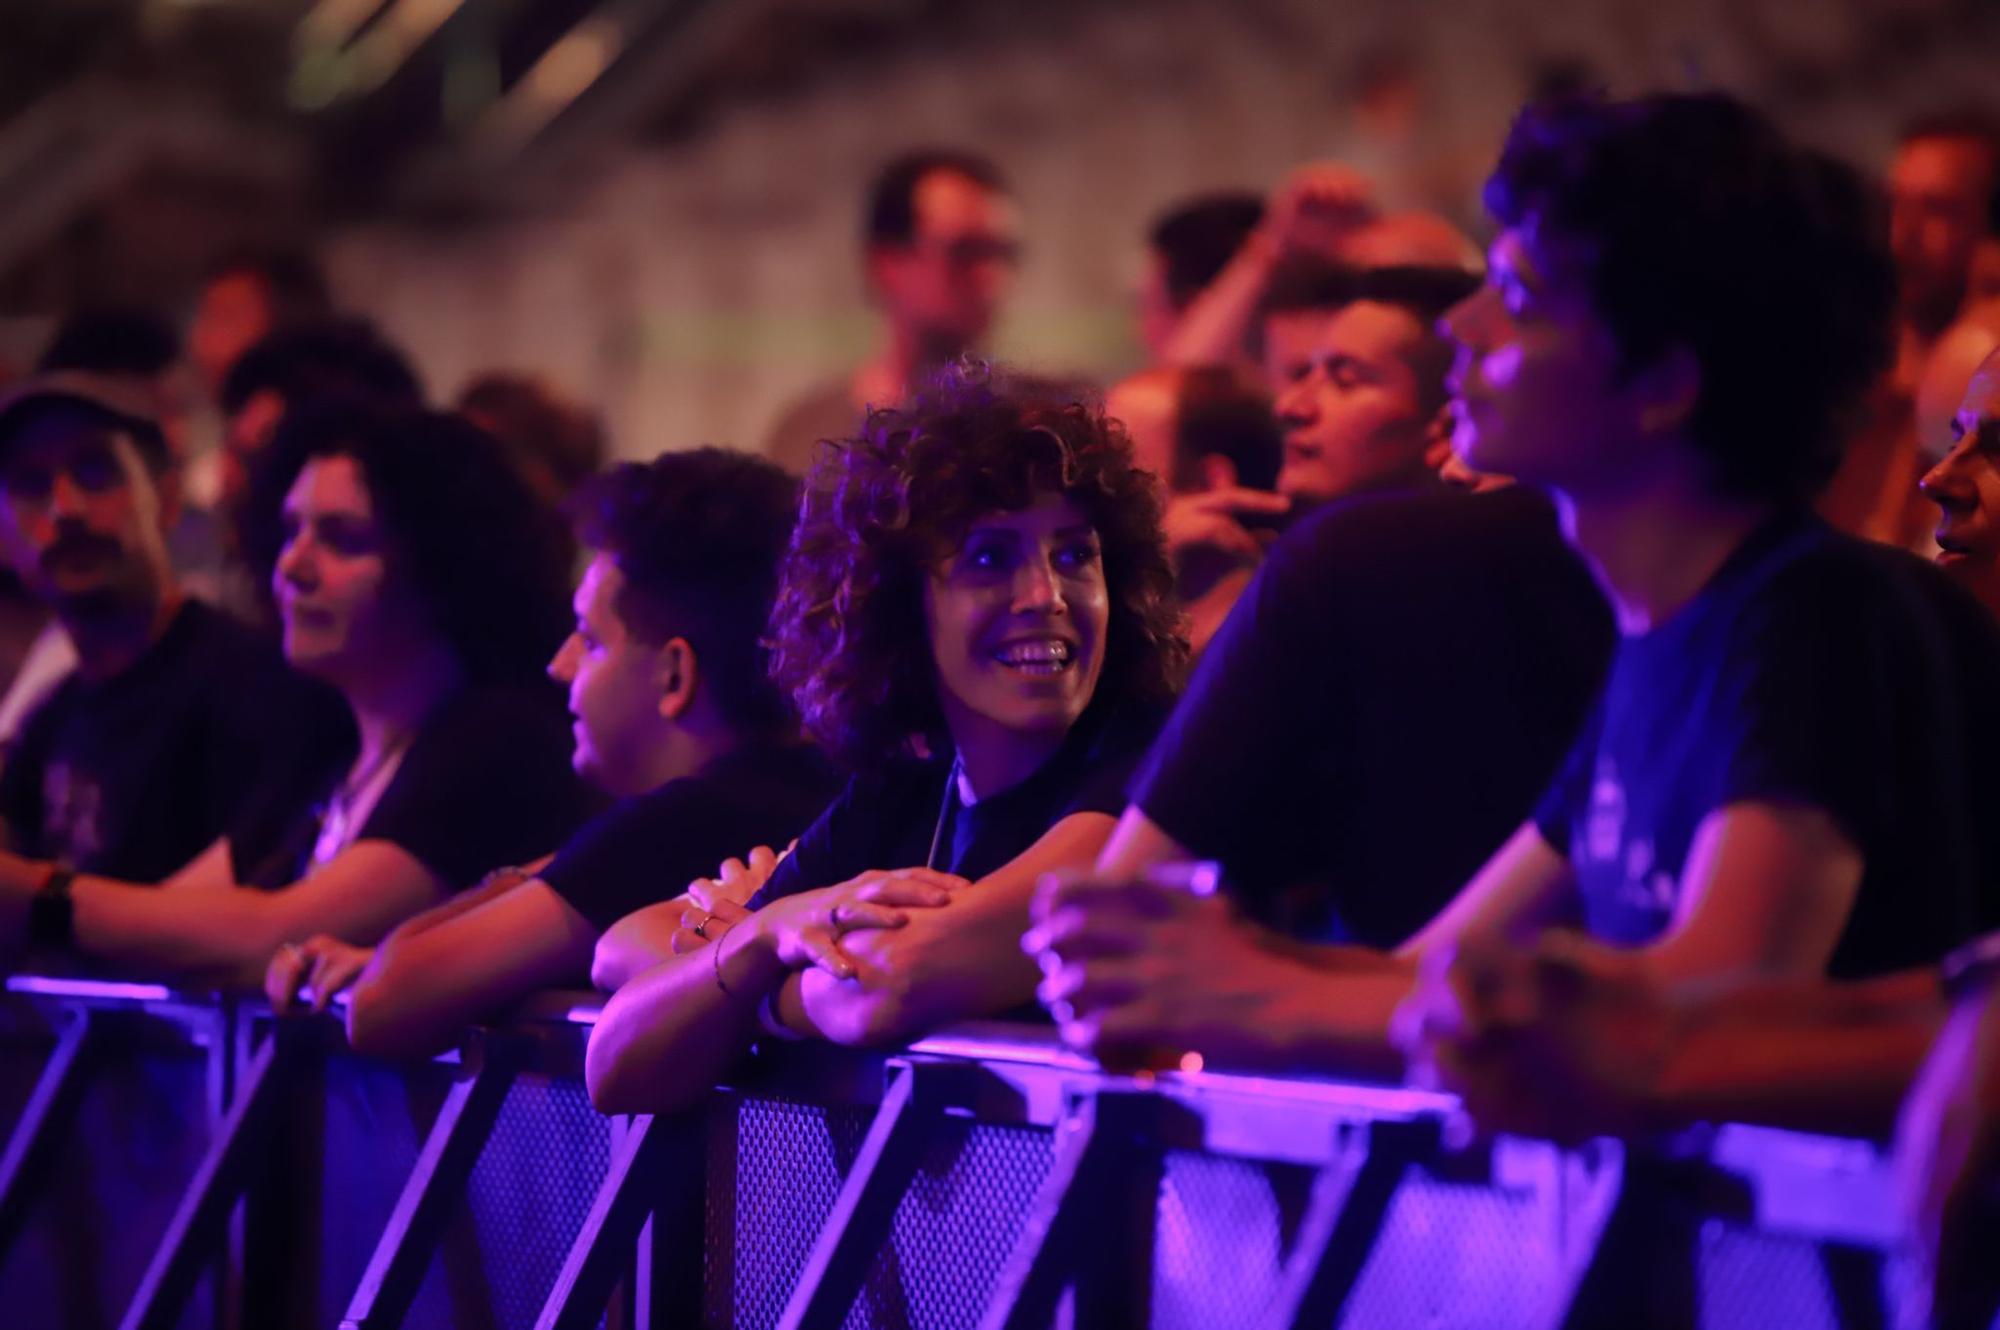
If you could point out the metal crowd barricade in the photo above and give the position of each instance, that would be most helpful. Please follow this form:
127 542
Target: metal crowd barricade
175 1161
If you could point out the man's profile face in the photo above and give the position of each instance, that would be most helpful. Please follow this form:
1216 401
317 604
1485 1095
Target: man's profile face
1938 192
81 516
613 680
1966 488
948 283
1352 406
1537 392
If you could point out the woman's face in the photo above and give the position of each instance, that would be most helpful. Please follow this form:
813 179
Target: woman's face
1017 617
341 614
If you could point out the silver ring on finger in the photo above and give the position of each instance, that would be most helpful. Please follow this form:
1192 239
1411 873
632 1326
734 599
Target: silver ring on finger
701 929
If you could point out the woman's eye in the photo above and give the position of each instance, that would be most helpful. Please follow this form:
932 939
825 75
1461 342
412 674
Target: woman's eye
985 557
347 539
1077 556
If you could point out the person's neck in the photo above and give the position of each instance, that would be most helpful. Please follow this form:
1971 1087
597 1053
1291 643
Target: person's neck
993 759
905 358
108 644
389 709
684 752
1654 547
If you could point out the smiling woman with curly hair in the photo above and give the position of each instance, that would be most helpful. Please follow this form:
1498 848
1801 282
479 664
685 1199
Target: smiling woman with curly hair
977 618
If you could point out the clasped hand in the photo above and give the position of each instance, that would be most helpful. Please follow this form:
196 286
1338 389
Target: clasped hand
1139 966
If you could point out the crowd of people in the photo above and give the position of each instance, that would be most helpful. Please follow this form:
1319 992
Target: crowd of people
1567 674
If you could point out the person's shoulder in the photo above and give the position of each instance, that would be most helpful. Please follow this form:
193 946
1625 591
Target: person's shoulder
1412 527
224 644
826 410
1818 584
1814 565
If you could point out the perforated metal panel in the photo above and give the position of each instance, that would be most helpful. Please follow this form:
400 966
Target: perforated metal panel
783 1163
954 1229
1224 1227
530 1191
139 1135
1457 1255
376 1116
1749 1280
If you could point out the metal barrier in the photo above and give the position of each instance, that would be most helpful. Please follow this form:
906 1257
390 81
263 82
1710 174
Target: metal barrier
179 1161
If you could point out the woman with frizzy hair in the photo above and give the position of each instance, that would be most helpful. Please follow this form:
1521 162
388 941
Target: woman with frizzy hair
977 620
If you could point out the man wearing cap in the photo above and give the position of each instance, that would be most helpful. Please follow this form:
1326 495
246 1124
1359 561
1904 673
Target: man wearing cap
176 715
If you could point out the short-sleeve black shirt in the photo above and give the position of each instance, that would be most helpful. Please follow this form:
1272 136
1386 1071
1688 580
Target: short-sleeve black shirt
485 784
1818 671
134 776
888 819
648 848
1394 690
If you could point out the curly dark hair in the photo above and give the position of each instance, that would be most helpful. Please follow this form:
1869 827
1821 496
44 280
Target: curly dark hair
1708 231
699 536
486 557
848 639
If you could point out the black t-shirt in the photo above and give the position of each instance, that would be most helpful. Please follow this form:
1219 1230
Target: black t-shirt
1381 710
134 776
486 783
648 848
1814 670
890 818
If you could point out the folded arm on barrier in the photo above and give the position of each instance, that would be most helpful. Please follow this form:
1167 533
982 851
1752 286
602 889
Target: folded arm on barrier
199 927
466 962
960 962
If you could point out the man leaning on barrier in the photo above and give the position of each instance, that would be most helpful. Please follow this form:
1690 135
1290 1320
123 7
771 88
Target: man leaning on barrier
1755 794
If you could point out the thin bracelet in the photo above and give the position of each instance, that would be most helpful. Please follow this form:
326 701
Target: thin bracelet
716 947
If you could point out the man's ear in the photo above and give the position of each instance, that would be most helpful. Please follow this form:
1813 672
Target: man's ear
675 673
1668 390
1217 472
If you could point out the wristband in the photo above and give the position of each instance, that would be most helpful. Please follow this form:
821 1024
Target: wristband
52 912
716 947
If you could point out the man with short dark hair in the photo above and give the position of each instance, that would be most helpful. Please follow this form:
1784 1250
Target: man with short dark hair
940 243
1186 248
1787 771
1336 713
177 717
1357 367
674 715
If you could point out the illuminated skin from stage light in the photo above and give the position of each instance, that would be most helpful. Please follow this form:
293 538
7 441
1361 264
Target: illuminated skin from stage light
1966 488
1017 617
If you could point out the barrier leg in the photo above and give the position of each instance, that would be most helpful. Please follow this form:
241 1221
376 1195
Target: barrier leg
656 1174
53 1105
1093 1217
435 1189
864 1209
200 1226
1350 1198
